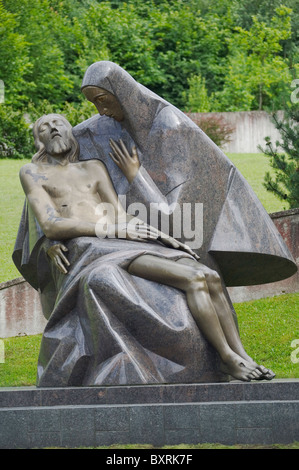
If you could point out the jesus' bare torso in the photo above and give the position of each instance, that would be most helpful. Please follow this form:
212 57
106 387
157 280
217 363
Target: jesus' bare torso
76 191
71 197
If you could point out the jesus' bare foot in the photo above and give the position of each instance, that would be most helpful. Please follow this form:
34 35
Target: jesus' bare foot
267 374
241 369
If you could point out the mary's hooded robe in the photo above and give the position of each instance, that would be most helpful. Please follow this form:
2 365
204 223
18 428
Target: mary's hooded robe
180 164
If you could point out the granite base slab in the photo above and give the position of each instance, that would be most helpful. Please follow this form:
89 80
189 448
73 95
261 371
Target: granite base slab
161 415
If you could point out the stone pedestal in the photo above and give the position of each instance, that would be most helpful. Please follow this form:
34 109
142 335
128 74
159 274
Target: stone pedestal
161 415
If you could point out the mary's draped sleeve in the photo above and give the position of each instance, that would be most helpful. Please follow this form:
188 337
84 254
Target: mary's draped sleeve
29 238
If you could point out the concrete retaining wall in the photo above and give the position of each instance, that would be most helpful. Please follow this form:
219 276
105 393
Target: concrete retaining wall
250 130
20 310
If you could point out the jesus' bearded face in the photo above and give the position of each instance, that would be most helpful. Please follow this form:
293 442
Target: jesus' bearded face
55 134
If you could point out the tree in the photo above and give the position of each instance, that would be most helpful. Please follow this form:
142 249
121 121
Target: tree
14 56
196 98
207 55
186 43
284 157
263 10
45 76
257 77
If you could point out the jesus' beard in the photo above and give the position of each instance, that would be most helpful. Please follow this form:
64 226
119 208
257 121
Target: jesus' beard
57 146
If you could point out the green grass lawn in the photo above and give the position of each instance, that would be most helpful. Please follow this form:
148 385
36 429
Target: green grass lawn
20 361
252 166
12 200
267 329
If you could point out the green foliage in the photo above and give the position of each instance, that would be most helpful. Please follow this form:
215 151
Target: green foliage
216 55
125 36
73 112
257 76
14 60
15 134
284 158
44 76
196 98
263 10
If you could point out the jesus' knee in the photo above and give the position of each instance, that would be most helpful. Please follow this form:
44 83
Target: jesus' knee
212 277
196 281
214 283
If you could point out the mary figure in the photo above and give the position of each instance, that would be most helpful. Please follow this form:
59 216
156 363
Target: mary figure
180 165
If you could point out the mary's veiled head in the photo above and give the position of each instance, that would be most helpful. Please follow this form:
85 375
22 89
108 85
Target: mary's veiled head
138 104
107 75
110 77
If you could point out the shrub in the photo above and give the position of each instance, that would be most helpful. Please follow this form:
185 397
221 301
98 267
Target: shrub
16 140
73 112
216 127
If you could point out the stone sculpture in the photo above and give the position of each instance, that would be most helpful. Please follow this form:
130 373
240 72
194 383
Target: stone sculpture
131 310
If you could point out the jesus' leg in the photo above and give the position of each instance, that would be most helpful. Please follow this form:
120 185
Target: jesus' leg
225 316
192 281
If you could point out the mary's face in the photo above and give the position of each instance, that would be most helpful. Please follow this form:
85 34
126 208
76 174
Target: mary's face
105 102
